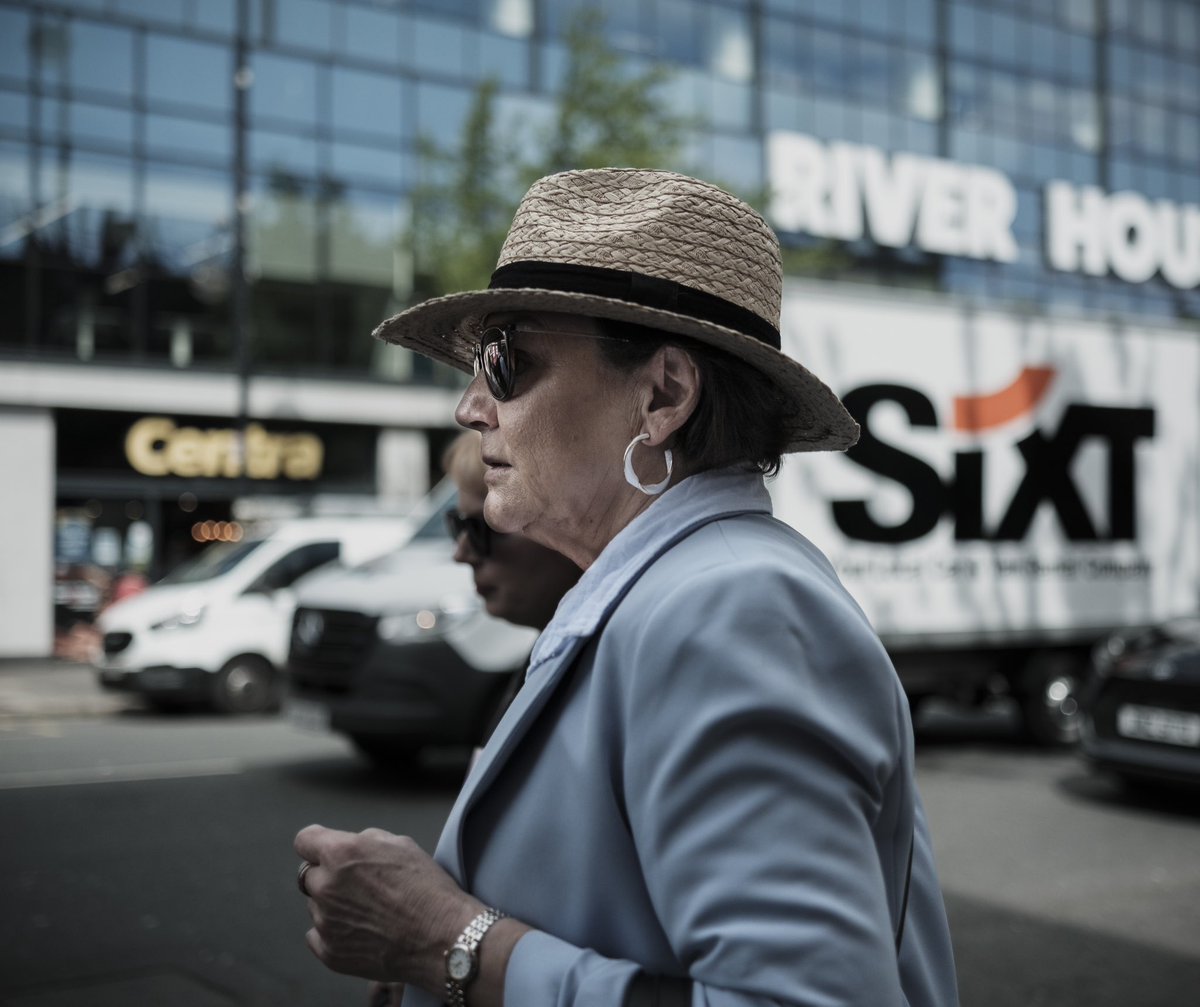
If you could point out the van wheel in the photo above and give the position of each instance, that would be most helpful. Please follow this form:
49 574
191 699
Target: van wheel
247 684
1050 699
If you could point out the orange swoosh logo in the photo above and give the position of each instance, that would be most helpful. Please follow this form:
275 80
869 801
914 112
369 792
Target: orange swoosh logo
975 413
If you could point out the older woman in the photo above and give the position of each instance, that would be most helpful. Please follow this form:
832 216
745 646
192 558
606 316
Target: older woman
704 793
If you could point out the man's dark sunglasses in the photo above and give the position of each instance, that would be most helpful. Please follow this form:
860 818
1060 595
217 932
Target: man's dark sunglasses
495 356
479 535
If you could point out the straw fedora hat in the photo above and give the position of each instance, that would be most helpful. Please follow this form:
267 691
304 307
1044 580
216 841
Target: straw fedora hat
654 248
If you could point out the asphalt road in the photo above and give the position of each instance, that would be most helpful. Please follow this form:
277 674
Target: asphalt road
148 860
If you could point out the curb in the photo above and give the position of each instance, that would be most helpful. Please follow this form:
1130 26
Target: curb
55 689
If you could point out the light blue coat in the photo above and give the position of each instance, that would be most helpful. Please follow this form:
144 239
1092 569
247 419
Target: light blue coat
718 785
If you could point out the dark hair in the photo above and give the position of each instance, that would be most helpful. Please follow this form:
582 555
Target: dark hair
740 417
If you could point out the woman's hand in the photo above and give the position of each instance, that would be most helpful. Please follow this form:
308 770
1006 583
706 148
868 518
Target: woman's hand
381 907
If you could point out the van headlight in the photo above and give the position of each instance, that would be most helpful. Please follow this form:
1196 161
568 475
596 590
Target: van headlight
423 624
181 620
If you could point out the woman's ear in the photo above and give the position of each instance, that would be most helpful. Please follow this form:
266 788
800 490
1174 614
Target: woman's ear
674 392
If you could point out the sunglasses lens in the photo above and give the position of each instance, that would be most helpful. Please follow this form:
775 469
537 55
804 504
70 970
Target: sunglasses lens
479 535
494 356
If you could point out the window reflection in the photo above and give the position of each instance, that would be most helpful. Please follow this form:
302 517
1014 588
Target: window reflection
170 11
371 34
14 44
377 165
189 73
307 24
188 139
439 47
441 112
510 17
730 47
101 124
290 152
284 89
101 58
368 103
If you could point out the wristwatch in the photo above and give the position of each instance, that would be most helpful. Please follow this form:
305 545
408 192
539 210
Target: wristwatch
462 960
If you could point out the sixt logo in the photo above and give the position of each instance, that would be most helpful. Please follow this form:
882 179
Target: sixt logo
1047 456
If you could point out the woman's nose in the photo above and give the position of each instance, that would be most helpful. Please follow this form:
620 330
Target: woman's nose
476 409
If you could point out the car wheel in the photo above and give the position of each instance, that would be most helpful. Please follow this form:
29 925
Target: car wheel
1050 699
385 754
247 684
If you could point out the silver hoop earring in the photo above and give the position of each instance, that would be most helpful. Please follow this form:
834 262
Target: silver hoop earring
631 476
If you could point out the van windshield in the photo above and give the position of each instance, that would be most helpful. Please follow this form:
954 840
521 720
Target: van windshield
217 559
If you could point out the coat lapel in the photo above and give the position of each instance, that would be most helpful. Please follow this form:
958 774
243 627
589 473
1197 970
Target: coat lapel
514 725
539 686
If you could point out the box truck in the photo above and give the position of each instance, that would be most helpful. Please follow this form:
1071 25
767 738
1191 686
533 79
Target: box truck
1023 484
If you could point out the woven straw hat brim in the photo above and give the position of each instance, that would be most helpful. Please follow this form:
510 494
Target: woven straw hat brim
446 328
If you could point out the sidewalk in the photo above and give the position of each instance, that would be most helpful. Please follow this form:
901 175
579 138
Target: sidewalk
45 687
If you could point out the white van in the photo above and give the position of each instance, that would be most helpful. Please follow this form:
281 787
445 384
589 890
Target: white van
215 630
399 654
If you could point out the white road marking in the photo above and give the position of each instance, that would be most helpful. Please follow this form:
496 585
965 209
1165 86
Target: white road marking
120 774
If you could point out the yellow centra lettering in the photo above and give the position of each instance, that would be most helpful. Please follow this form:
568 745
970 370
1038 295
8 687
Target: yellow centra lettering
146 445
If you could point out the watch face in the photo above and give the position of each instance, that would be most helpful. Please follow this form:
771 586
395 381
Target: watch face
460 963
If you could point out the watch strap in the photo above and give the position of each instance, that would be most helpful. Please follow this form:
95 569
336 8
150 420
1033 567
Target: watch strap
469 940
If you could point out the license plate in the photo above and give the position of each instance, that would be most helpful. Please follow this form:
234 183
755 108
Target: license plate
306 715
1152 724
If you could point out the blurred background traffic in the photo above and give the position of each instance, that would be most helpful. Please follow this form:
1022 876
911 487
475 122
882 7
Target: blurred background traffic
218 492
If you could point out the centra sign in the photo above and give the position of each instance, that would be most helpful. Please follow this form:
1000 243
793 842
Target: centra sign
155 446
850 191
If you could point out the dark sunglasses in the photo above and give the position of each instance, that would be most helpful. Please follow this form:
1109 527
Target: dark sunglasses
495 355
479 535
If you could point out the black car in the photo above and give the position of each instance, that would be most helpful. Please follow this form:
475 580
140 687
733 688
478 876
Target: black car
1141 704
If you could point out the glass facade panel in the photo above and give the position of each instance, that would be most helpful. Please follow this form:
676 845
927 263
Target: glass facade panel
133 100
371 34
510 17
439 47
283 152
14 113
182 72
1187 26
284 230
502 59
284 90
215 15
368 103
174 138
441 112
365 244
730 45
304 24
163 11
101 125
16 37
370 165
15 201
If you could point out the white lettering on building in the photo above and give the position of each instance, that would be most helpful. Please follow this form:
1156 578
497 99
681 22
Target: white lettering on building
849 191
1125 233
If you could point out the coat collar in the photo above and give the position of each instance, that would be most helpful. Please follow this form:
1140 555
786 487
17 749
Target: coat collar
694 502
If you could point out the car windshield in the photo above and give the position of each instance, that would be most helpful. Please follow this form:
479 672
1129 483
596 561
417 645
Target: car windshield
433 529
214 561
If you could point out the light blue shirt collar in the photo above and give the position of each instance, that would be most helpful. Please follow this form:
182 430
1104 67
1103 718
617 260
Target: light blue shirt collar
694 501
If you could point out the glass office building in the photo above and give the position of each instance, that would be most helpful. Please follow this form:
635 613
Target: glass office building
125 126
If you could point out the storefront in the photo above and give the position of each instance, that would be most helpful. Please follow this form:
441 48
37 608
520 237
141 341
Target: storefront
138 493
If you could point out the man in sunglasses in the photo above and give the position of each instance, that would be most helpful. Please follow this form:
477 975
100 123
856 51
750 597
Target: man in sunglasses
518 580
